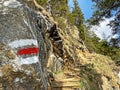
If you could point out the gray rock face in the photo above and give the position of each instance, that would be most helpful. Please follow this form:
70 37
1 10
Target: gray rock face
21 52
16 24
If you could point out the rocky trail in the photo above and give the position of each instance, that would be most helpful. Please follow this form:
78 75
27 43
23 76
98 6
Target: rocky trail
65 81
63 61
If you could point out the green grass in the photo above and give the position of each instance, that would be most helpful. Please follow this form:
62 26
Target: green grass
58 72
81 83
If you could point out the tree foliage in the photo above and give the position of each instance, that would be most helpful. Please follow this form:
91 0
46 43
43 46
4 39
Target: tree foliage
78 18
42 2
77 14
94 44
115 24
104 8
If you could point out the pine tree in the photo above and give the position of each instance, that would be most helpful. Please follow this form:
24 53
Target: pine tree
78 18
107 9
104 8
115 24
77 14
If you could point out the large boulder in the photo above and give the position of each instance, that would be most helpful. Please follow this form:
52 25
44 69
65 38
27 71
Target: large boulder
22 48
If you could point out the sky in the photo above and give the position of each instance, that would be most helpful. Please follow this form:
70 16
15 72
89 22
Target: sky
103 30
86 7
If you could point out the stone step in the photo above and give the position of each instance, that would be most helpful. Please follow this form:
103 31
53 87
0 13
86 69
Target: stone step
1 87
68 80
64 88
66 84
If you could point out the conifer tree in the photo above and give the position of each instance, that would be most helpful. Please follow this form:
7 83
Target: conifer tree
115 25
104 8
107 9
77 14
78 18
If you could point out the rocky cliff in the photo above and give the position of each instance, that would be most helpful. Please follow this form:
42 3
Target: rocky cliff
64 61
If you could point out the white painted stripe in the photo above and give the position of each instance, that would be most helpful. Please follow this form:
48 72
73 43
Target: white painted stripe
29 60
12 3
23 42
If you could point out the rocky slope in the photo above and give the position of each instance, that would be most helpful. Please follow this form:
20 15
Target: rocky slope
65 61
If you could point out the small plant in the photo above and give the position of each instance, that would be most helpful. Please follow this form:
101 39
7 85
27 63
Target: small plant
81 83
58 72
42 2
62 23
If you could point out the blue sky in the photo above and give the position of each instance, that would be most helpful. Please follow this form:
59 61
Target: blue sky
85 6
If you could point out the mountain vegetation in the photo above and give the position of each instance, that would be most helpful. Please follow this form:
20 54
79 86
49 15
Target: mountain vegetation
104 9
94 44
107 9
71 56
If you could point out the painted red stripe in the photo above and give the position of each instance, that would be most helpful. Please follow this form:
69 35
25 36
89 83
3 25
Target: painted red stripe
27 51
